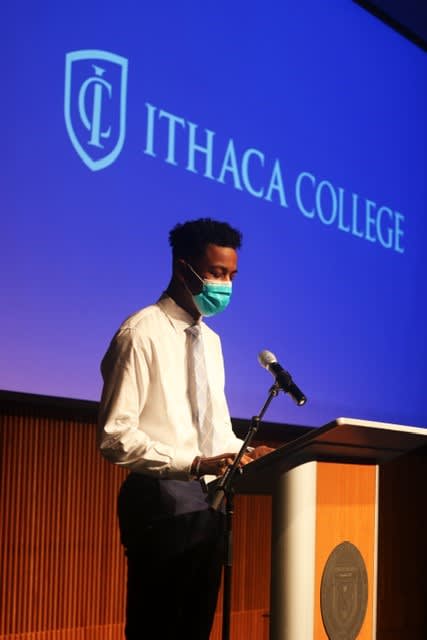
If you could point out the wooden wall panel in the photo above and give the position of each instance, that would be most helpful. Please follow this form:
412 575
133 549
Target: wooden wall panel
250 602
61 562
107 632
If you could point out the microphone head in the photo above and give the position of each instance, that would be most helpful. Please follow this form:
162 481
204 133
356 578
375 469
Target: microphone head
265 358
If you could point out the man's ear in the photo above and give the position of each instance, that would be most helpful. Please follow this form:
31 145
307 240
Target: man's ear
181 269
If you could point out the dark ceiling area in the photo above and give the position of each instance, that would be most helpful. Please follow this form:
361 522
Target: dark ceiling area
408 17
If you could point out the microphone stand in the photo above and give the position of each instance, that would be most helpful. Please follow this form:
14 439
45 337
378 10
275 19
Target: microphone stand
223 490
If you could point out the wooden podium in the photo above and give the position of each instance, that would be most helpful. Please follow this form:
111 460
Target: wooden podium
325 526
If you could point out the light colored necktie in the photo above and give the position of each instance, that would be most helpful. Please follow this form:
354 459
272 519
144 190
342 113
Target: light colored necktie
199 389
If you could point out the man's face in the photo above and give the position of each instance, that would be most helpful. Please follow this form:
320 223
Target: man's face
217 263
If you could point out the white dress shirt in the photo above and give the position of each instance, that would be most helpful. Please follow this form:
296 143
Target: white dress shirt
145 420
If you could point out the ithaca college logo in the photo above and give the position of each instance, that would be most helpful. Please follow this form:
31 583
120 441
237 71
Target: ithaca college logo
95 105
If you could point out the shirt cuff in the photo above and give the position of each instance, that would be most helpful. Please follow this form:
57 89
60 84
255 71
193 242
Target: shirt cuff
180 466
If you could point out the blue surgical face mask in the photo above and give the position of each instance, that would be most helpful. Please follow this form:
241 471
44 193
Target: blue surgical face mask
214 296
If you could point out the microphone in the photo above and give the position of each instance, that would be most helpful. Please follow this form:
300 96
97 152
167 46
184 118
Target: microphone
283 379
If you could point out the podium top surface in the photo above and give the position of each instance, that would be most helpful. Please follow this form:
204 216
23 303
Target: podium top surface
345 440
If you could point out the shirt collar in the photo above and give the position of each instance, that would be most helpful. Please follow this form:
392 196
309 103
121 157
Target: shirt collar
178 317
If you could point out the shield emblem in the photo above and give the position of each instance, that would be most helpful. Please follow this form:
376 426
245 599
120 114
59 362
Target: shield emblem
345 595
95 105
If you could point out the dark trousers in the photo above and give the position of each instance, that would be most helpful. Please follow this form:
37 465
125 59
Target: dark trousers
174 561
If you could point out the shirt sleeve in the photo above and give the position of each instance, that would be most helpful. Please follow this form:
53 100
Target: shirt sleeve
125 370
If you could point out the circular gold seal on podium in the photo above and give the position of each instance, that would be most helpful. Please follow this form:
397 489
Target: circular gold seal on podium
344 592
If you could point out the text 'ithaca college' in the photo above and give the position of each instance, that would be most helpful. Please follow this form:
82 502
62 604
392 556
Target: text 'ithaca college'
180 142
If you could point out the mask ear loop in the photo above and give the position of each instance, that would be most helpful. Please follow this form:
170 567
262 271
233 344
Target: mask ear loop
195 272
184 281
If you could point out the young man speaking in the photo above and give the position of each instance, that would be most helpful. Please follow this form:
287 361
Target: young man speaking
164 416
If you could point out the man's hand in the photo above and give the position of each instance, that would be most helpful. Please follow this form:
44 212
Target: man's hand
258 452
217 465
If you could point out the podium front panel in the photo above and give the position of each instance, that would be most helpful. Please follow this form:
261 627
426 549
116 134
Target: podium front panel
317 507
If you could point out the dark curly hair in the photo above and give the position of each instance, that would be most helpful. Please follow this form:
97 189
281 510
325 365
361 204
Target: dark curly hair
190 239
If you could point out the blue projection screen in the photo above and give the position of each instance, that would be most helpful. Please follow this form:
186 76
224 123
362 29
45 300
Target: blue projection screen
303 125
